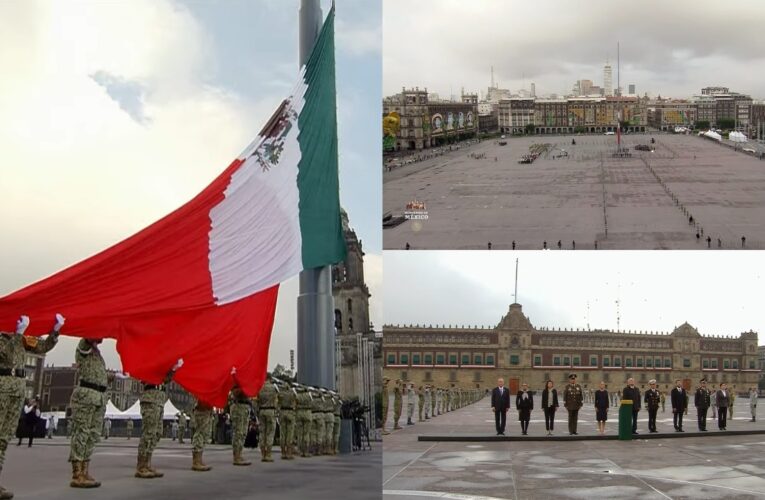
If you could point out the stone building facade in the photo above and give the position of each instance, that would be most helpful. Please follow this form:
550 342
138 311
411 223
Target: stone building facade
519 352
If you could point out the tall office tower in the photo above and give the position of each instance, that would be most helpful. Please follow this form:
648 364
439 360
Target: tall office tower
608 80
632 89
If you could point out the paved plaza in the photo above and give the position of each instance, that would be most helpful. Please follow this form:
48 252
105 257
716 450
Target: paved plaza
42 472
642 202
716 465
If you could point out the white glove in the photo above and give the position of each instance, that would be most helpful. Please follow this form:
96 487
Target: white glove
178 364
233 370
22 324
121 375
59 322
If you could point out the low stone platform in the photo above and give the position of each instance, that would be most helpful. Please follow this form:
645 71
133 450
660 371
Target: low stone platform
482 438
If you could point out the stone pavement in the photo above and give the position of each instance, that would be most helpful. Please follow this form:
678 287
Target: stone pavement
471 202
42 472
716 465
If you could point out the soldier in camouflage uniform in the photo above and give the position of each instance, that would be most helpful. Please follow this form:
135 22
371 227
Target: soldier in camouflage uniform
181 426
268 401
317 421
329 422
88 408
420 401
336 424
427 402
433 400
152 401
397 402
240 407
202 419
13 349
303 420
385 397
287 409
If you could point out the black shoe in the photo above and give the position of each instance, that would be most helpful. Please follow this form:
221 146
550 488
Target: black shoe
680 430
499 434
635 432
503 433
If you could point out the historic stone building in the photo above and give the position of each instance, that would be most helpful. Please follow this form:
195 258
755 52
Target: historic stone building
520 352
353 328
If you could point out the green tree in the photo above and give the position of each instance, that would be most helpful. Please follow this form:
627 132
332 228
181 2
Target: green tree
529 128
283 373
703 124
726 123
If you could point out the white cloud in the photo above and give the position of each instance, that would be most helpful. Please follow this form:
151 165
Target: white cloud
358 40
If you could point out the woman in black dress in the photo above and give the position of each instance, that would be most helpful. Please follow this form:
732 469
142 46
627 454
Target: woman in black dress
549 405
601 407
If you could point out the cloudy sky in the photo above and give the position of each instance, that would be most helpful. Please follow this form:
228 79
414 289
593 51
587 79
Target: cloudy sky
113 114
718 293
668 48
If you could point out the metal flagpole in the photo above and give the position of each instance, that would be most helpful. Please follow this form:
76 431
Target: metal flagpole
315 336
516 281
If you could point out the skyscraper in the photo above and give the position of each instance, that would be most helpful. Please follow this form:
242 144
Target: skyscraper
632 89
608 80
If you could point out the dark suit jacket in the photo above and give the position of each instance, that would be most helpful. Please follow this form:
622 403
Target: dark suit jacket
679 399
554 397
601 399
524 404
632 393
500 402
723 401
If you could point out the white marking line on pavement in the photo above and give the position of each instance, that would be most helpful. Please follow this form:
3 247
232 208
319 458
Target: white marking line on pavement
410 463
438 494
697 483
636 477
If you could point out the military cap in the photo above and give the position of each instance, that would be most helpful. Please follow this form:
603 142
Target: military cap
572 375
652 381
703 380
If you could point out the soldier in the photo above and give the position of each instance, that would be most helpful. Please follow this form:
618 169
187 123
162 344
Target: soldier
240 407
427 402
303 420
202 419
433 400
317 421
572 401
410 404
13 349
152 400
753 396
652 401
396 404
181 426
88 407
287 409
385 397
732 400
268 400
702 400
329 422
663 400
129 426
420 401
336 423
107 427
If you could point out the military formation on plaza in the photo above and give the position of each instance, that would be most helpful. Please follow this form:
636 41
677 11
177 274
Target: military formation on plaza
308 417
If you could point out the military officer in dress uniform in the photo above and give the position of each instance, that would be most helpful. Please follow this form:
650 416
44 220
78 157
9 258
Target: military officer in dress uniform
397 402
13 349
410 404
572 401
703 401
420 401
385 397
652 401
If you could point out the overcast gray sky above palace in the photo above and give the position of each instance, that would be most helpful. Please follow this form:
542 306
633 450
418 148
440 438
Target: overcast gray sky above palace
668 48
719 294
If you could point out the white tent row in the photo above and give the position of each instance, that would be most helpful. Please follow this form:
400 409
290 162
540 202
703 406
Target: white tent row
134 412
713 135
737 137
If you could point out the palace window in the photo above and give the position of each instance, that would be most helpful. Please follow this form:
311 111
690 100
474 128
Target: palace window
606 360
566 361
415 359
686 362
466 359
667 362
428 359
628 362
657 362
537 360
440 359
404 359
713 364
593 361
577 360
452 359
751 364
477 359
734 364
705 363
514 359
556 360
428 376
648 362
726 364
404 376
617 361
477 376
391 359
489 360
639 362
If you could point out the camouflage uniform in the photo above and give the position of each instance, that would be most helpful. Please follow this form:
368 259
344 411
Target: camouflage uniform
427 402
329 424
201 420
268 400
13 349
130 428
88 408
303 422
288 407
421 401
433 401
397 402
240 421
385 397
317 423
152 401
336 425
181 426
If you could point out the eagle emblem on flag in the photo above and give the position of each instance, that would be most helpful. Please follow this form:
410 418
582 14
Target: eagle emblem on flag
275 131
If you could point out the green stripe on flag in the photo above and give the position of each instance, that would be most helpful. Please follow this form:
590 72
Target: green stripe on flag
320 224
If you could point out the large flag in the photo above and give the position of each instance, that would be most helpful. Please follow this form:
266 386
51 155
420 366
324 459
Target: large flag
201 284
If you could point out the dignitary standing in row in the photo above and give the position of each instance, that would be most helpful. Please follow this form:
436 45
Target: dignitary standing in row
702 400
601 407
753 402
679 399
723 400
632 393
500 402
524 403
652 403
549 405
572 400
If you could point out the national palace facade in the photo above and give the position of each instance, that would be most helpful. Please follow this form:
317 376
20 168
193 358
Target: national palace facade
517 351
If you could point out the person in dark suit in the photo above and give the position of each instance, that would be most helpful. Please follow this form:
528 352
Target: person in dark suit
723 401
524 403
601 407
633 393
679 405
500 402
702 401
549 405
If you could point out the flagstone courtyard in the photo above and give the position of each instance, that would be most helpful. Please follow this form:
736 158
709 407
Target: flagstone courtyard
580 194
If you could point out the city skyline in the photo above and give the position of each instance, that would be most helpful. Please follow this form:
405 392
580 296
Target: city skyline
665 50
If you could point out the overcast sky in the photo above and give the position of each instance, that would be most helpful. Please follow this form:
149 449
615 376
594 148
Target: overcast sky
113 114
668 48
719 293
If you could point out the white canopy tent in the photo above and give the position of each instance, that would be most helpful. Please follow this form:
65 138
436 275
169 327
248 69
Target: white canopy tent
134 412
170 411
112 411
737 137
713 135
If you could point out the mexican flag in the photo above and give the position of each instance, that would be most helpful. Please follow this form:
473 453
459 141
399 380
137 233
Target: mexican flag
201 283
